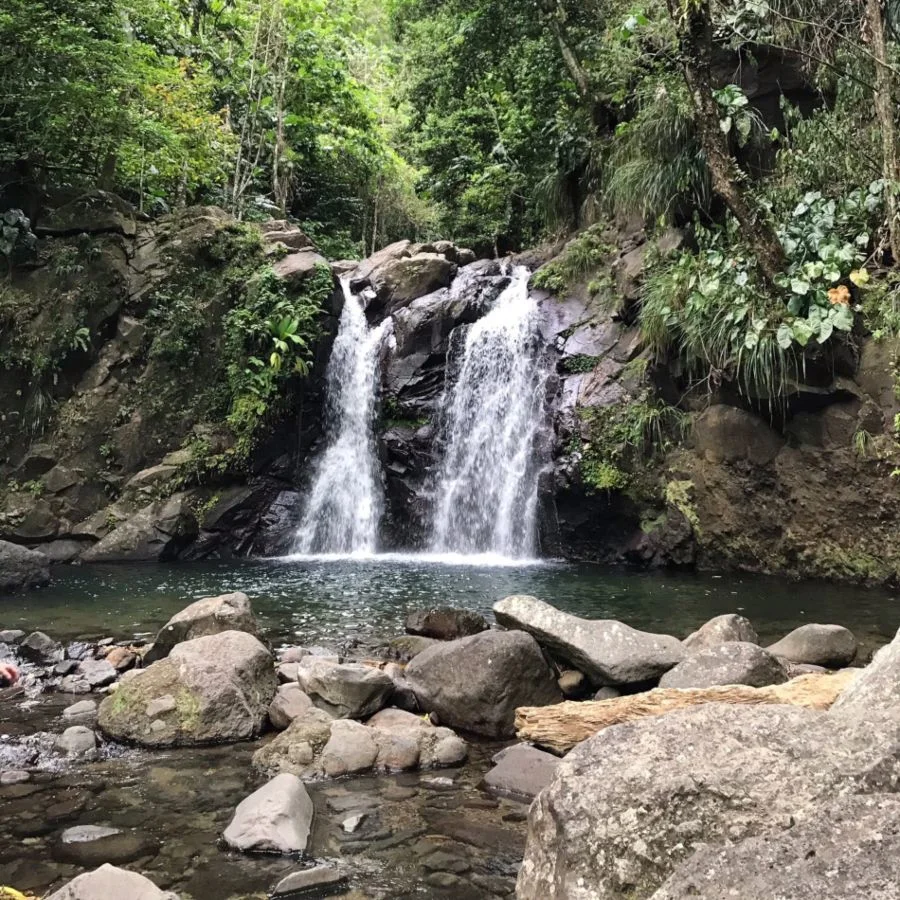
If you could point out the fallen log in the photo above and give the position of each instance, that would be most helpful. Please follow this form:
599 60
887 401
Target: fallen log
560 727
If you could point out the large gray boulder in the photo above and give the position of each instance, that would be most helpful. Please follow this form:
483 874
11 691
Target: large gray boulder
721 629
288 703
108 882
210 615
22 568
832 646
477 682
840 851
210 689
734 662
607 651
349 690
398 282
275 819
703 776
876 688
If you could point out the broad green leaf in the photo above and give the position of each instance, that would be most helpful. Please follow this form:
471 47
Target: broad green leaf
800 286
784 336
802 331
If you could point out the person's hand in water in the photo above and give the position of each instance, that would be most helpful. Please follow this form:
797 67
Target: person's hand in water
9 674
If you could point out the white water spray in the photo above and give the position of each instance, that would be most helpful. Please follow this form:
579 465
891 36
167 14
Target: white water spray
345 502
487 488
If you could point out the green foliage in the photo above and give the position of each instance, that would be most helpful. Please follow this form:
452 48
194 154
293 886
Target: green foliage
584 254
621 435
580 362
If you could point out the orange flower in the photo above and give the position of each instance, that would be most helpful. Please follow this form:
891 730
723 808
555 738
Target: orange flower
839 294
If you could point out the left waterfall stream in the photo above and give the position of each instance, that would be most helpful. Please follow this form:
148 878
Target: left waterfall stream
344 503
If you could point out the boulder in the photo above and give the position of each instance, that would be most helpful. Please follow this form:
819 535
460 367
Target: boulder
878 685
846 849
96 212
728 434
730 627
734 662
275 819
158 532
347 690
406 647
295 268
314 745
82 711
476 683
288 703
207 690
521 771
40 648
108 882
22 568
398 282
702 776
606 651
445 623
363 273
832 646
211 615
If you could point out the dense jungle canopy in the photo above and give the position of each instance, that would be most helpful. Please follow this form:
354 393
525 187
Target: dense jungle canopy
768 128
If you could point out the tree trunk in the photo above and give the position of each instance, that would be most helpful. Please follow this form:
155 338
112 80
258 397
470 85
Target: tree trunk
695 33
561 726
884 109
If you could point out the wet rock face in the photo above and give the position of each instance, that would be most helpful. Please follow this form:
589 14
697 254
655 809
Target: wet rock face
211 615
477 682
21 568
733 662
208 690
606 651
832 646
275 819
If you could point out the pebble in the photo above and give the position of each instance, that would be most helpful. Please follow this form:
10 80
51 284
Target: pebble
352 823
14 776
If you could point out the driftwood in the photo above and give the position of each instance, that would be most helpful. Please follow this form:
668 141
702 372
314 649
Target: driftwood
560 727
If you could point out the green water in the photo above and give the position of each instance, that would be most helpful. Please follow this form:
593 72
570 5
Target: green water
332 602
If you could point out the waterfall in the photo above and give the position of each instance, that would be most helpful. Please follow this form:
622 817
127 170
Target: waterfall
344 504
486 491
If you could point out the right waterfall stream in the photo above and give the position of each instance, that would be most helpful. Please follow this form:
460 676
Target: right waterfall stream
486 490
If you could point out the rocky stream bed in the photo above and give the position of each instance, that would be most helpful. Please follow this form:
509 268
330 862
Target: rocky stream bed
220 766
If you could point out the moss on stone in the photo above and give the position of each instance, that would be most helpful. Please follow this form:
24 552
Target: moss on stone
680 495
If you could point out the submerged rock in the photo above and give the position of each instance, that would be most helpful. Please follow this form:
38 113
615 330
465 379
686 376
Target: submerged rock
477 682
320 878
445 623
211 615
91 845
721 629
22 568
607 651
275 819
734 662
208 690
344 690
832 646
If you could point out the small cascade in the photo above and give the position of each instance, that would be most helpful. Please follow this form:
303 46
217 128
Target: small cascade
344 504
486 492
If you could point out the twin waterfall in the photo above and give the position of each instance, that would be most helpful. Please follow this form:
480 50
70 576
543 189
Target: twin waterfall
486 487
